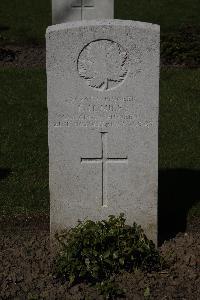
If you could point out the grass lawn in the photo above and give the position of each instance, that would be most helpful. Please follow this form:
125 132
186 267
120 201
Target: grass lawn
169 14
179 123
24 145
23 135
25 21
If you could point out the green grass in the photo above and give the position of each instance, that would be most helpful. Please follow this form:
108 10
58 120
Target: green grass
23 135
179 126
24 145
27 20
179 138
169 14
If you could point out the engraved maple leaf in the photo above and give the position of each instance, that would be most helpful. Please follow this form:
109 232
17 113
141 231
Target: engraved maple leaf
103 64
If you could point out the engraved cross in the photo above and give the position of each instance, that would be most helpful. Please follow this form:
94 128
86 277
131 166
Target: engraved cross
104 160
81 4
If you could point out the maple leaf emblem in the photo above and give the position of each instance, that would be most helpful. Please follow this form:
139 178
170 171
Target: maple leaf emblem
103 64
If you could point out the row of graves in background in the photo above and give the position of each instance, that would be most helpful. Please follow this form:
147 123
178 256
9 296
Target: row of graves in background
77 10
103 100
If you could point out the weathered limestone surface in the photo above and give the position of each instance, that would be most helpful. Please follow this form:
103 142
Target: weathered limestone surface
103 100
76 10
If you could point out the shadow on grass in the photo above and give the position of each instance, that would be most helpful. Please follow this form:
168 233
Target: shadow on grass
4 27
4 173
178 191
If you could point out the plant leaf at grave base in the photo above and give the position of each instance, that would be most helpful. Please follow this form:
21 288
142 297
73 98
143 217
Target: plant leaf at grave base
121 247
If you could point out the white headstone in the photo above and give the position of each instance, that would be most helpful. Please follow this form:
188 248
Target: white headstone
103 94
76 10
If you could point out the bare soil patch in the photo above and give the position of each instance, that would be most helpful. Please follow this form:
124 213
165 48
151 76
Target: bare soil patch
22 57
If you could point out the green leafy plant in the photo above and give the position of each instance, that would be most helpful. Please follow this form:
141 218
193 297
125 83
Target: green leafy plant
32 296
110 289
147 292
95 251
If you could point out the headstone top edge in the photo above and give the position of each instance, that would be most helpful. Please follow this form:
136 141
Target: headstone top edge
112 22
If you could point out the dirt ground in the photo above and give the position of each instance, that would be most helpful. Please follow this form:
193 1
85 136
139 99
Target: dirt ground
22 57
26 264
